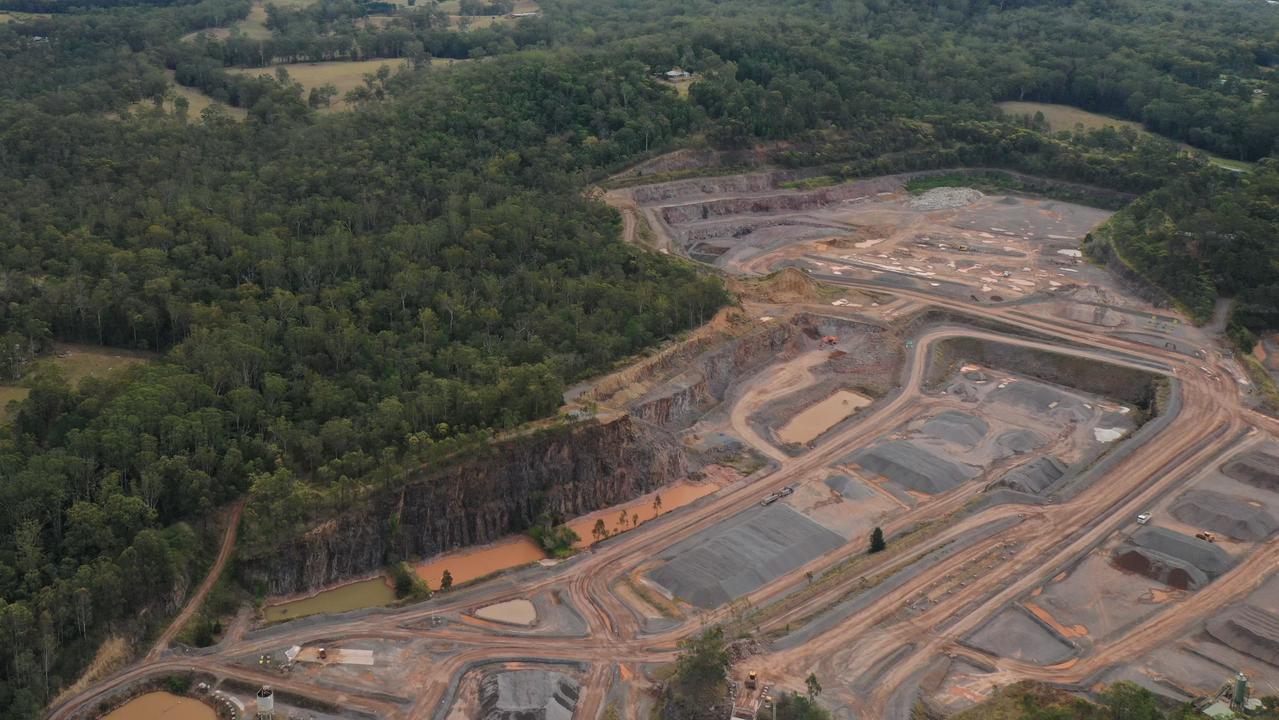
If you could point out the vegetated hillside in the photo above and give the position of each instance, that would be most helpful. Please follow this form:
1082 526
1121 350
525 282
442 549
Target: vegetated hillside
343 298
1206 234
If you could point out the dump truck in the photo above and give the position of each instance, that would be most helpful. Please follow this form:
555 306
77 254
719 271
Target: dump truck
751 680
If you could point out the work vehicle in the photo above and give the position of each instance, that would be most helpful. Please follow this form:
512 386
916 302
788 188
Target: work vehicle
1143 518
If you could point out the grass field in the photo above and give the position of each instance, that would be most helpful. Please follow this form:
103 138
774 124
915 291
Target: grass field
7 16
77 362
345 76
452 8
252 26
196 102
1065 118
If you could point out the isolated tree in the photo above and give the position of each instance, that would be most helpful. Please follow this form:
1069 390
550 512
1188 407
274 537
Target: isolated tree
809 574
600 531
814 687
446 580
877 540
657 504
634 519
622 518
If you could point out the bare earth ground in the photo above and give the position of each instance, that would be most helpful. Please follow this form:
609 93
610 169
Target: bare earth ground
1008 491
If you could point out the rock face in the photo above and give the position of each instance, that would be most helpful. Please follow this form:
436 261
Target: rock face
567 472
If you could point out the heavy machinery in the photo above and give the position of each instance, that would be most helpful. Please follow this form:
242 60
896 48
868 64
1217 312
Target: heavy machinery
1206 535
752 680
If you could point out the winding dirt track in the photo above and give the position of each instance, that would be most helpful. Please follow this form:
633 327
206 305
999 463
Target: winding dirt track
871 654
197 599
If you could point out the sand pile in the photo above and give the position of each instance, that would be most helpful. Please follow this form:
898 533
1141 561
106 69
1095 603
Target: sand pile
957 427
1034 477
1224 514
528 695
912 467
945 198
1257 468
1250 630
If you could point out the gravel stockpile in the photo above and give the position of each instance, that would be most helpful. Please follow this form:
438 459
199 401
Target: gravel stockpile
1256 468
1040 398
1014 634
1034 477
1250 630
1203 555
945 198
849 488
528 695
1177 560
912 467
1225 514
1020 441
734 557
1157 566
956 427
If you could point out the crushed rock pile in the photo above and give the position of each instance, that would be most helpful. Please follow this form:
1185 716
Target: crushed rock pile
1224 514
528 695
1250 630
1034 477
1256 468
945 198
957 427
912 467
1177 560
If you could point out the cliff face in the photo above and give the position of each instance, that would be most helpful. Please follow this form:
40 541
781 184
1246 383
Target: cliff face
709 376
568 472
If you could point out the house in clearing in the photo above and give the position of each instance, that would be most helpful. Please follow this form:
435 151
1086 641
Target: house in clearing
677 74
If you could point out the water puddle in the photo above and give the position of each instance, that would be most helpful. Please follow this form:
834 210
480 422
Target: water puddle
511 612
821 417
639 510
352 596
474 563
162 706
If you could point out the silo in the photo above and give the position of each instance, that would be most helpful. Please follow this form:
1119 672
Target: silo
266 703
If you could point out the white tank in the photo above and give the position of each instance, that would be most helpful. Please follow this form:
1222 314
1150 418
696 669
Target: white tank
266 701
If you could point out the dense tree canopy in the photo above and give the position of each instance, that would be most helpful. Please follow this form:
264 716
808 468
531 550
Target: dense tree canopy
339 297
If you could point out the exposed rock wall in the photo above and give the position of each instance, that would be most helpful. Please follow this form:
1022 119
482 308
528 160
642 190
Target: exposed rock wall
709 376
569 472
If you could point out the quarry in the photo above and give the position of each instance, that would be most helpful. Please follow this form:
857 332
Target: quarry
945 367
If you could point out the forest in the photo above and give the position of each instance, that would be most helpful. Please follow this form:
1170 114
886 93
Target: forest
339 297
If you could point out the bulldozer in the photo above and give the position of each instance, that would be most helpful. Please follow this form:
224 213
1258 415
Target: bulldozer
1207 535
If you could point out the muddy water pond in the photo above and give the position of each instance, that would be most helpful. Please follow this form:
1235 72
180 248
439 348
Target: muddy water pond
511 612
352 596
162 706
821 417
473 563
674 496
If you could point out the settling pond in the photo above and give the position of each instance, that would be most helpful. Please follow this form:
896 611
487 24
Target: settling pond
162 706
